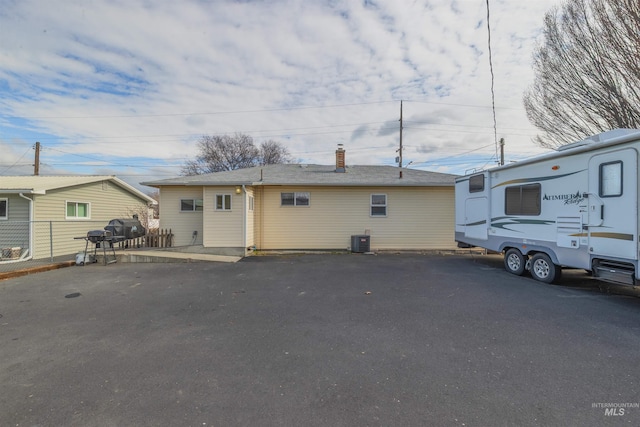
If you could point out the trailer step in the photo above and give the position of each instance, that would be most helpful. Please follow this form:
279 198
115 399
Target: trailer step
614 272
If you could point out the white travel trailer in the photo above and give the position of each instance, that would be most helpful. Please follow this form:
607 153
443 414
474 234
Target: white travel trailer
576 207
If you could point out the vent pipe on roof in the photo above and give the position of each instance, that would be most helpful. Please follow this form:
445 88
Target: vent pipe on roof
340 164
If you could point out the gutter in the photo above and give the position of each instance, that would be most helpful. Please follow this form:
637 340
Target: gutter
244 219
20 192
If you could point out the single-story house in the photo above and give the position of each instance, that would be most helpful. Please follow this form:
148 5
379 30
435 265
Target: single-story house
41 215
309 207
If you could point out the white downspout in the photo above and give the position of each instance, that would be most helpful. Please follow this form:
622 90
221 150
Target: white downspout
244 220
30 227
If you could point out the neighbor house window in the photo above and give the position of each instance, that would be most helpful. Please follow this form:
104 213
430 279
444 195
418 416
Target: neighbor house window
476 183
78 210
611 179
223 202
294 199
190 205
251 203
378 205
4 208
523 200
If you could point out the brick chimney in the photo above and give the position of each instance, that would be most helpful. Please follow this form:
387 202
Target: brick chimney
340 166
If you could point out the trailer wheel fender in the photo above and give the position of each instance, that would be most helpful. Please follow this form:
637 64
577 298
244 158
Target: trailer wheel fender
530 250
543 269
515 262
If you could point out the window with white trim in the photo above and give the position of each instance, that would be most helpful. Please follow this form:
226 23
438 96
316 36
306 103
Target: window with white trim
223 202
190 205
4 208
294 199
251 203
78 210
378 205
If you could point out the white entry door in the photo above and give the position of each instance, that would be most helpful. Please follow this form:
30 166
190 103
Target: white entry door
612 208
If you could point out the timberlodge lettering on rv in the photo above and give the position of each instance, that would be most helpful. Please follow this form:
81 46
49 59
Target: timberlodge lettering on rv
568 199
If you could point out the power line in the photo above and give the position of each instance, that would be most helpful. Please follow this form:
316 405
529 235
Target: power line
16 163
211 113
493 95
268 110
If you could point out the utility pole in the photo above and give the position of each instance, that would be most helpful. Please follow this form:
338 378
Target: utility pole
400 149
36 165
501 151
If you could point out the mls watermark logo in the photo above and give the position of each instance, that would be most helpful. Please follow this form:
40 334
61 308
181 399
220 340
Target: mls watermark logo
612 409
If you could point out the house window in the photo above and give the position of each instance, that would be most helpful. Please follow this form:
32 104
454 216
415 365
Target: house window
251 203
190 205
476 183
78 210
611 179
223 202
294 199
523 200
378 205
4 208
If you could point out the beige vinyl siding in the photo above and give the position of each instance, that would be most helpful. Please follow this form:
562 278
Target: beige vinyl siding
14 231
250 241
107 201
182 224
17 207
258 216
223 228
417 218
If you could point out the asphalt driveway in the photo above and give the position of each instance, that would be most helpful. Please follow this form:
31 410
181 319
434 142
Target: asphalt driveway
316 340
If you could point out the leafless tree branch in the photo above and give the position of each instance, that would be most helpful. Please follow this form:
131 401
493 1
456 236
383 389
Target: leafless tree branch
587 71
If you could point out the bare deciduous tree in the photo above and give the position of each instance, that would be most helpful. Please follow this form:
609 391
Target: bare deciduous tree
272 152
224 153
587 71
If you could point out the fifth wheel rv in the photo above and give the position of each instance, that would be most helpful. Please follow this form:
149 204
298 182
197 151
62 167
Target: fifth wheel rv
576 207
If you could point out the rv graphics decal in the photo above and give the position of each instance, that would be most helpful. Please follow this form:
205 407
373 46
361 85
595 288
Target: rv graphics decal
505 222
568 199
536 179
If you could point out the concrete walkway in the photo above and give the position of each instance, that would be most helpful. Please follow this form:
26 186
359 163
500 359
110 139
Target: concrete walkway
132 256
168 256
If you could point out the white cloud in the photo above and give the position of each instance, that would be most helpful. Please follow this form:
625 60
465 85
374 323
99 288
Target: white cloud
143 80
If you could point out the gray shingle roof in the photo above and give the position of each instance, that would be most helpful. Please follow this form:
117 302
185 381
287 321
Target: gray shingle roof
314 175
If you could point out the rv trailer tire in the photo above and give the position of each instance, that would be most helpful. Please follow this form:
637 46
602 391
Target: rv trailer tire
514 262
543 269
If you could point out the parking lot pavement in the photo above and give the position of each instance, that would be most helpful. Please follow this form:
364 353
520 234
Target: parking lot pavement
316 340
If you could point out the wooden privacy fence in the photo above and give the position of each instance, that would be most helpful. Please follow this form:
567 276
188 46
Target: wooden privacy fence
155 239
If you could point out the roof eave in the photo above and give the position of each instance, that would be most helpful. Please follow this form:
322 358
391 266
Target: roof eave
22 191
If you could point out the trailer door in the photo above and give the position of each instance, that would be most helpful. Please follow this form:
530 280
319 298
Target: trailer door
476 218
612 208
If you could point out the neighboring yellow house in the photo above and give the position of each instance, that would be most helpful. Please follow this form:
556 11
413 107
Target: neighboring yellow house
41 215
309 207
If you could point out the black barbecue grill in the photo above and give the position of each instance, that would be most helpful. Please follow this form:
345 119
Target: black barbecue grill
117 230
126 228
100 239
97 236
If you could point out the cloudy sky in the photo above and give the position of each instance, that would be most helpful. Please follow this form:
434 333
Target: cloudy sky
128 87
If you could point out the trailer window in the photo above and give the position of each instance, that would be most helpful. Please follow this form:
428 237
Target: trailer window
476 183
611 179
523 200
